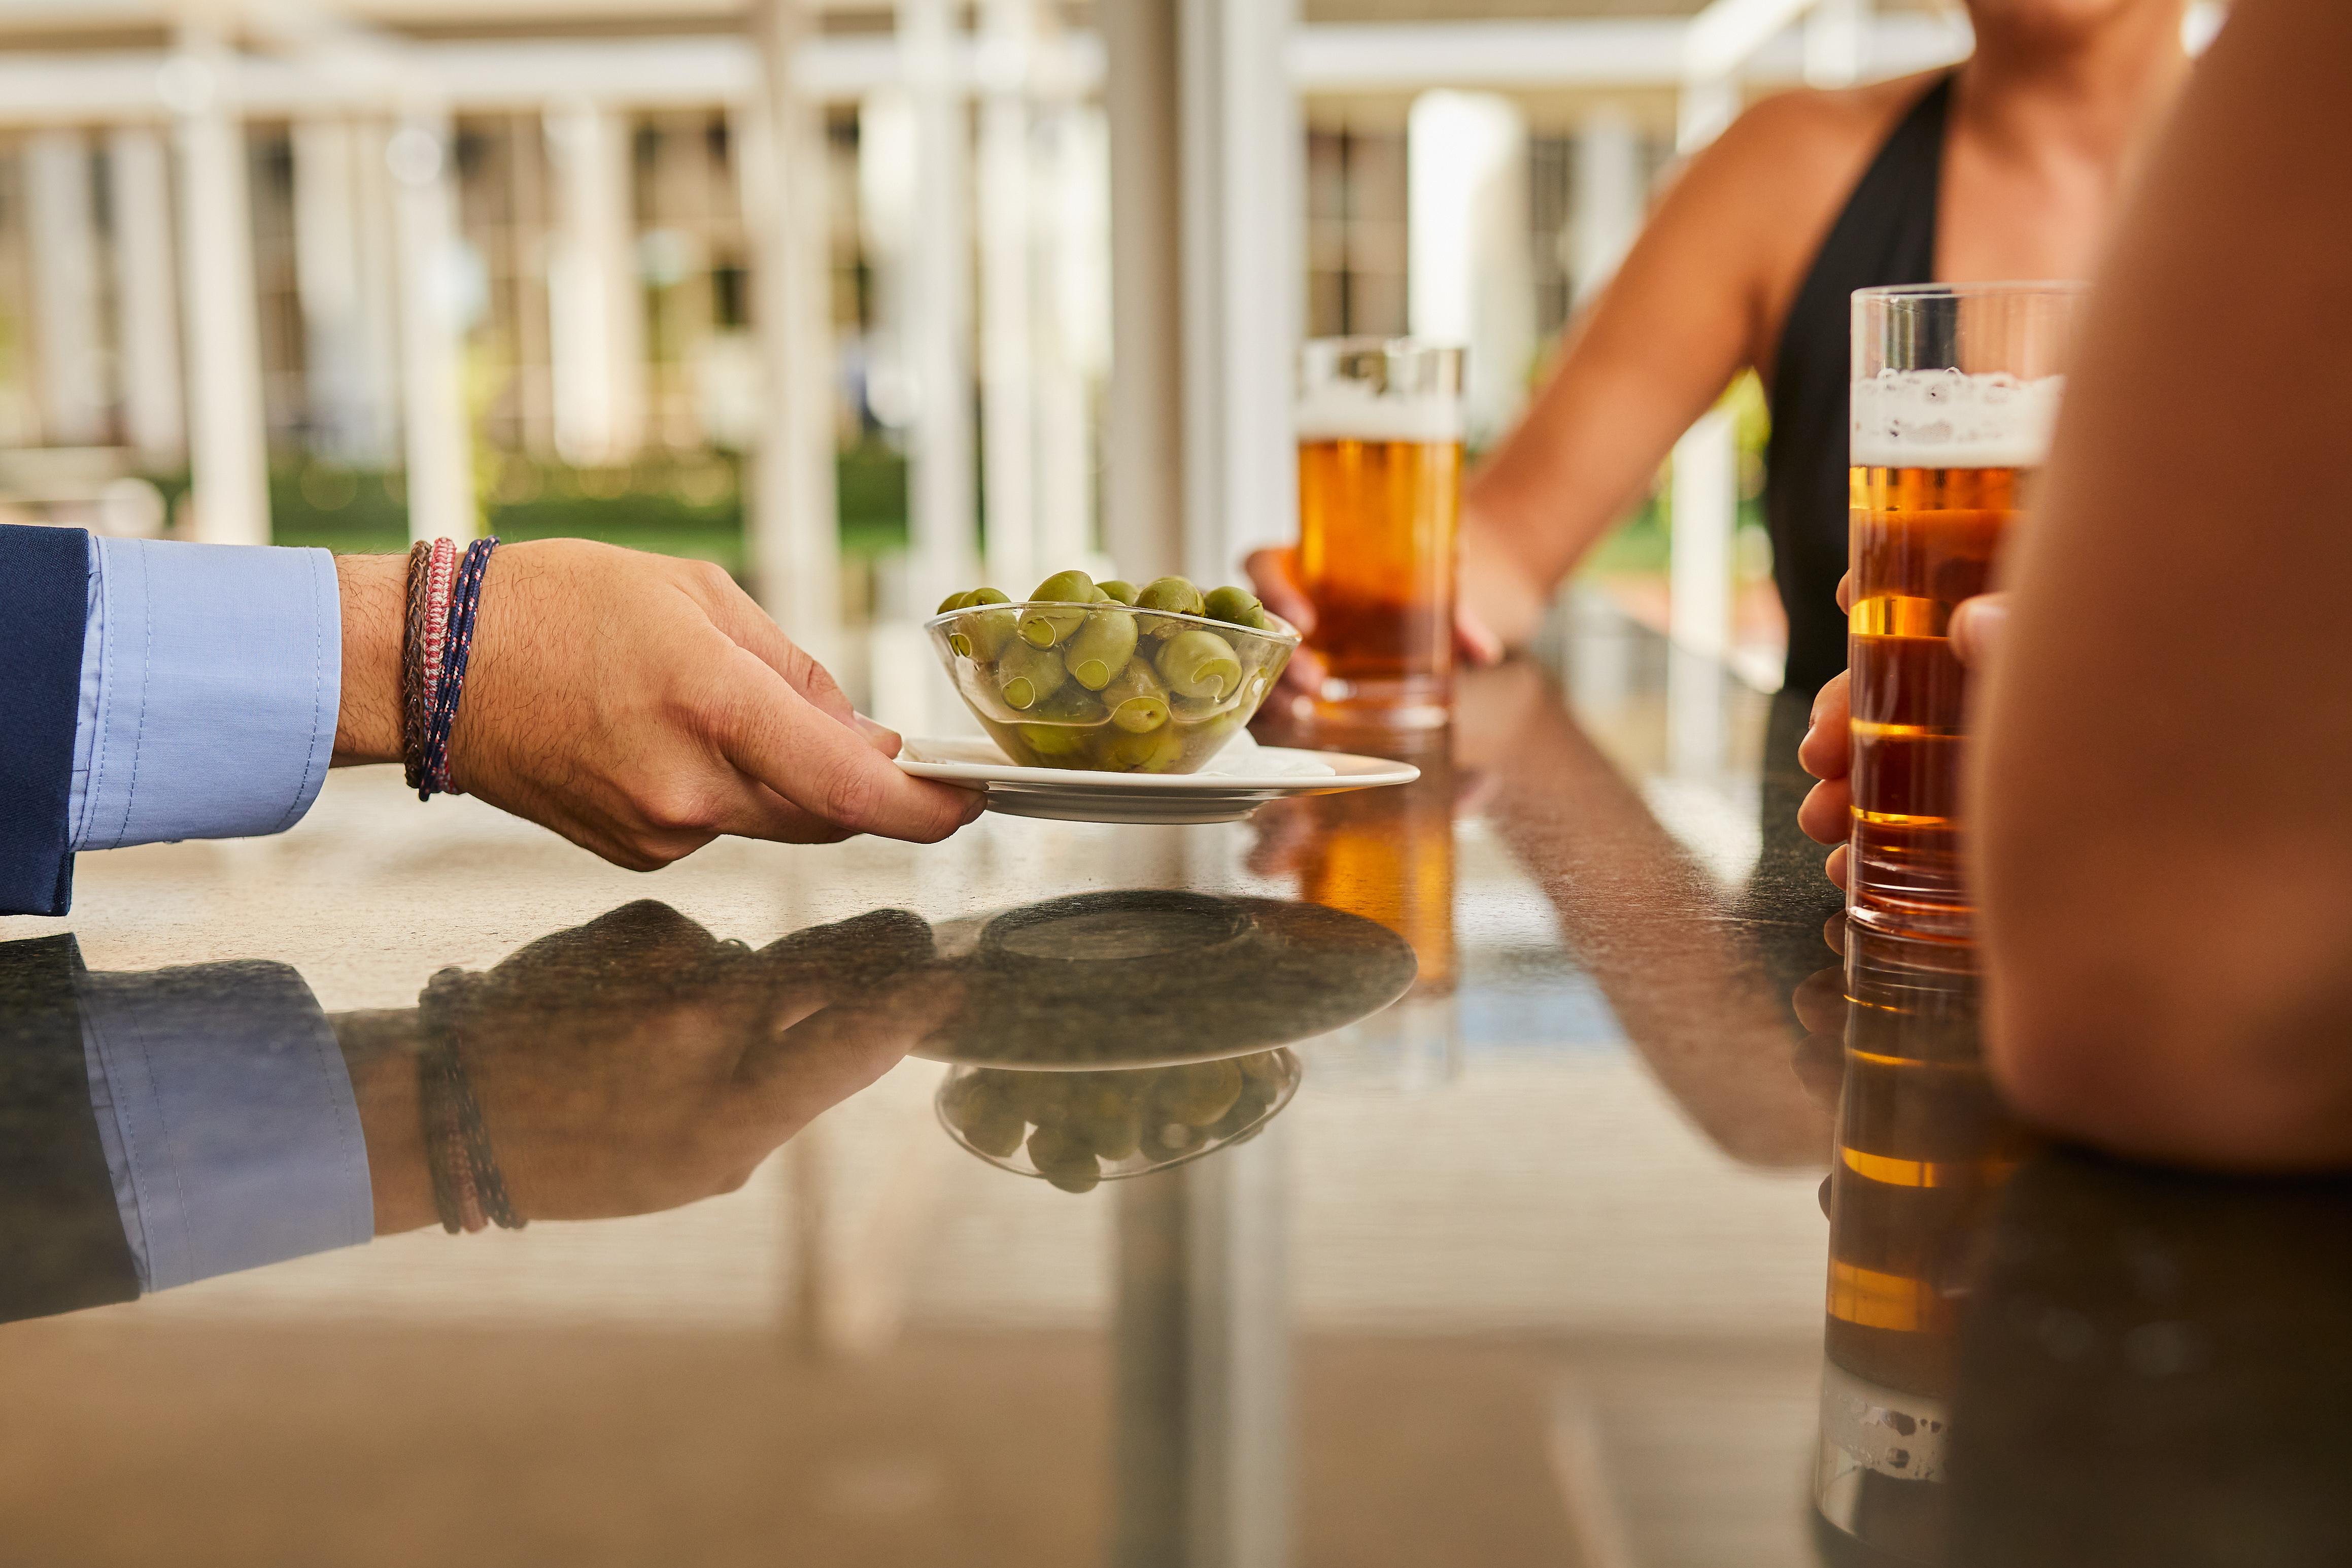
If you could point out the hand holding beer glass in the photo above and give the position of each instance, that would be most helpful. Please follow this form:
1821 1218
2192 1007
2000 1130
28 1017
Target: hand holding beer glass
1379 497
1955 390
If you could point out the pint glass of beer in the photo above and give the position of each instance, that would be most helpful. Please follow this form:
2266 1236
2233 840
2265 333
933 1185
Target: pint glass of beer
1379 493
1955 389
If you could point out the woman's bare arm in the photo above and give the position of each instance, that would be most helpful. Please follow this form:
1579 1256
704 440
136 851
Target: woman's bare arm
1699 298
2164 787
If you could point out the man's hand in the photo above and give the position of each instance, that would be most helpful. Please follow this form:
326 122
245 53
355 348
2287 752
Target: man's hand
638 705
1827 752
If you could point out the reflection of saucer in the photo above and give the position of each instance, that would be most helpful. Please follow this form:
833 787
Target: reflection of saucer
1148 977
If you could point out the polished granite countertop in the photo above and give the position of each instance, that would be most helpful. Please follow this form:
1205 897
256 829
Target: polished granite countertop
1521 1166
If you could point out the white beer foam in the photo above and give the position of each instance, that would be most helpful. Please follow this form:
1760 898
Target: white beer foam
1356 411
1950 419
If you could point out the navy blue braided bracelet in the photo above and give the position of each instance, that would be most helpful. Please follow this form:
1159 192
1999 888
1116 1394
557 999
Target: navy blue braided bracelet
463 602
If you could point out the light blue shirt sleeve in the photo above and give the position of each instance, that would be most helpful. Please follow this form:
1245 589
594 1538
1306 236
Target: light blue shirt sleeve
228 1120
211 678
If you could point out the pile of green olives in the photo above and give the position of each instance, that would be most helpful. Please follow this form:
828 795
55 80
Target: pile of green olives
1112 676
1075 1124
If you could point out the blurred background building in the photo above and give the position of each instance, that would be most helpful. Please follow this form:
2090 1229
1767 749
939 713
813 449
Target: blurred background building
825 290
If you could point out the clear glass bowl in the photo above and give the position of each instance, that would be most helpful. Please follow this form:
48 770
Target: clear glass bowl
1107 687
1077 1130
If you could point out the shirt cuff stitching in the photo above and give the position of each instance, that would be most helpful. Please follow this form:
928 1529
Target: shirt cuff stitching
317 686
106 625
137 744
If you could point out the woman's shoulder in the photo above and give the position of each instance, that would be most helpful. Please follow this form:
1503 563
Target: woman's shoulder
1809 132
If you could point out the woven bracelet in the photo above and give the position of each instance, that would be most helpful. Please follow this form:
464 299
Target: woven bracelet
469 1190
443 595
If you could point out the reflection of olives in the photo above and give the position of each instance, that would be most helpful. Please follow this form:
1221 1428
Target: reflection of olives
1196 663
1063 1158
1098 650
1090 1125
1117 591
1027 675
977 1107
1199 1094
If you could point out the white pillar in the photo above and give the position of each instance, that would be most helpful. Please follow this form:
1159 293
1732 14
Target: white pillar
1073 353
1471 276
596 344
439 434
943 546
1706 508
793 514
228 451
1007 347
1143 522
343 372
1706 493
1610 201
146 302
1241 150
61 232
1837 35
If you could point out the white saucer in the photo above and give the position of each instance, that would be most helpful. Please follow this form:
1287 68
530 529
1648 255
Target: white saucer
1237 781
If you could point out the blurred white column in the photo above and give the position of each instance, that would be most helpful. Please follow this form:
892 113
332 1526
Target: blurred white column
1073 353
146 289
342 281
439 434
1241 152
1002 216
943 554
228 451
1471 278
1610 201
1143 522
596 332
1837 34
61 233
1706 487
795 513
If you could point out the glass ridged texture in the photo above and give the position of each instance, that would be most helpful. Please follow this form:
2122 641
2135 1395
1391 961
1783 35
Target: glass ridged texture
1379 497
1954 392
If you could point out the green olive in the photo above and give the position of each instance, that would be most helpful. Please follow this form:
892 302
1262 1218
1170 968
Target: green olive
1197 663
1052 744
1064 1159
1037 1096
982 1113
1263 1070
1099 649
989 632
1237 605
1136 697
1072 705
1043 627
954 601
1199 1094
1174 594
1148 752
1119 592
1027 675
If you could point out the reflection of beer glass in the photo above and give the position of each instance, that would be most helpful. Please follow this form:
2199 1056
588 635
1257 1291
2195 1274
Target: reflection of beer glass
1954 391
1379 489
1922 1149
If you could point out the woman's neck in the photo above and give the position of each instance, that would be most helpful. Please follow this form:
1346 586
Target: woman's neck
2097 95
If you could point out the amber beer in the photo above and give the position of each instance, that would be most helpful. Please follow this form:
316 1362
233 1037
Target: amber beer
1379 496
1953 396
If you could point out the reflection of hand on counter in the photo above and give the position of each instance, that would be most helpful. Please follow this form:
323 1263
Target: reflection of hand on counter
637 1063
1643 916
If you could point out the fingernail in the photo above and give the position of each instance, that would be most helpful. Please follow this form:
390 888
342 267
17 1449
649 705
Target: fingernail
1977 626
871 731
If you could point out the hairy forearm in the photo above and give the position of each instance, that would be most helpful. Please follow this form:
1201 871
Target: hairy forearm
374 593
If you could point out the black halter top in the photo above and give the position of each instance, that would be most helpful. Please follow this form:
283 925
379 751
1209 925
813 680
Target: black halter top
1885 235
